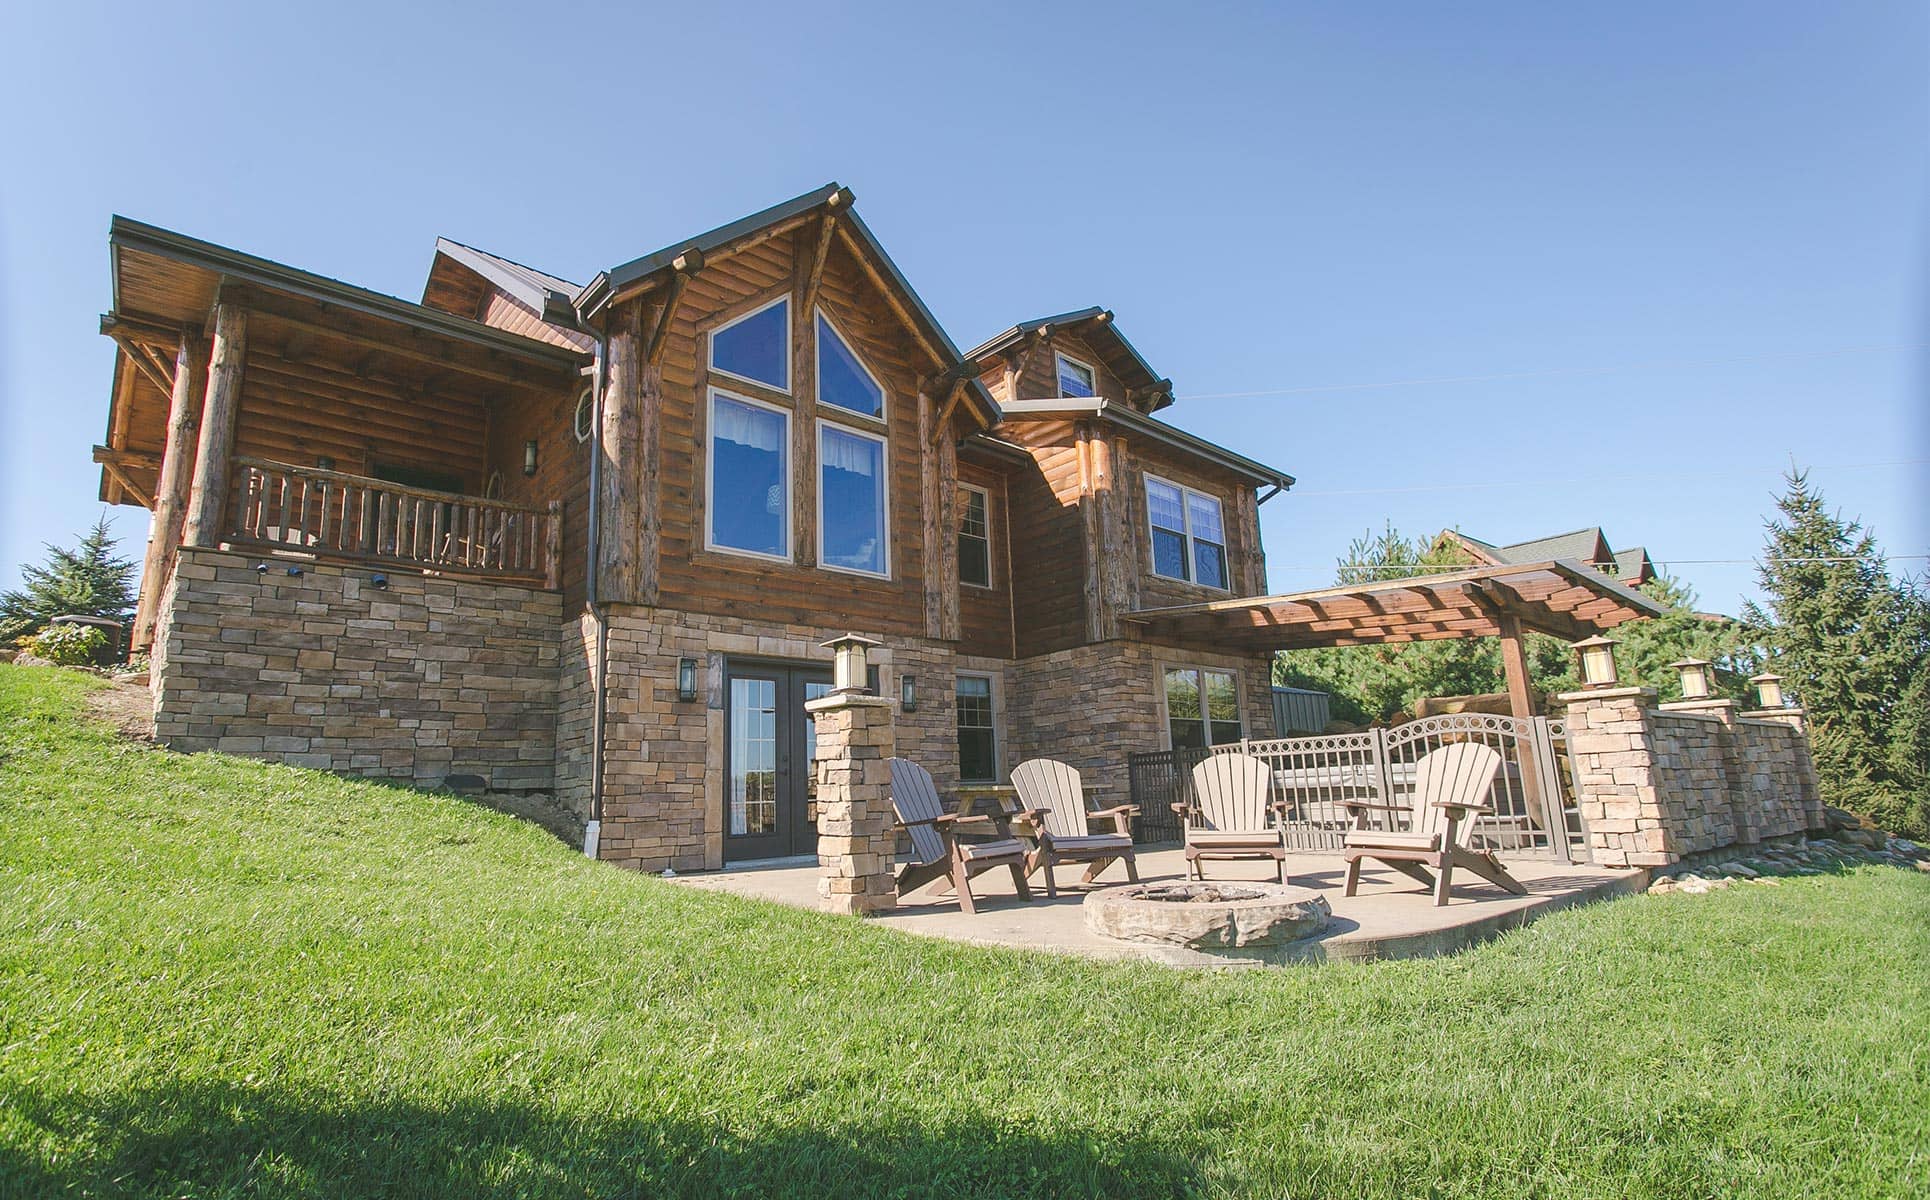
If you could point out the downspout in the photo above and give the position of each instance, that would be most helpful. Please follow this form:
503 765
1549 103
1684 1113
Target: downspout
599 659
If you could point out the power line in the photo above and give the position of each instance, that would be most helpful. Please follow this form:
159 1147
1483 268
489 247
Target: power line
1554 372
1660 562
1571 480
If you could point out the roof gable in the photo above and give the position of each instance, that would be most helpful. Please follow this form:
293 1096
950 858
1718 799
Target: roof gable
1147 391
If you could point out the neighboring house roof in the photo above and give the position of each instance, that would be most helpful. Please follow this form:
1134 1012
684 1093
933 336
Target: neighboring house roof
1588 546
1138 422
1095 325
608 284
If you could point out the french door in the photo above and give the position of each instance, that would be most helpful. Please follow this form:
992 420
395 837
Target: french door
770 788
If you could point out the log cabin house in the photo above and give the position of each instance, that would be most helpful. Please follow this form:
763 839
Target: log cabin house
585 541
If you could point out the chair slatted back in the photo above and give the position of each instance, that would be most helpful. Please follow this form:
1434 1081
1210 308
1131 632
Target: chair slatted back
1053 786
1461 773
914 797
1231 791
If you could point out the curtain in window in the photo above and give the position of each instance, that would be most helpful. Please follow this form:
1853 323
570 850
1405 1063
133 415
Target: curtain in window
749 453
850 472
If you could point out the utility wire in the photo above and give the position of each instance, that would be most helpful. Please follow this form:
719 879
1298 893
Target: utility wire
1554 372
1571 480
1660 562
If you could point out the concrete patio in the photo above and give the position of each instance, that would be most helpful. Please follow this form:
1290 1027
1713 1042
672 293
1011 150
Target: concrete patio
1391 917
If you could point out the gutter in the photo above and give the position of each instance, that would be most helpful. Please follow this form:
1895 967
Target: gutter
600 655
1159 431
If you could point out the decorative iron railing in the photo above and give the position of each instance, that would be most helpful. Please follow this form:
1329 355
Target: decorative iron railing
1532 796
331 515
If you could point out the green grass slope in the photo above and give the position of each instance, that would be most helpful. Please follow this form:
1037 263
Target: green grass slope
225 978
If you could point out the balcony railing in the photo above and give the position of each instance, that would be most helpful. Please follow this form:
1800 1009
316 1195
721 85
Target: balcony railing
330 515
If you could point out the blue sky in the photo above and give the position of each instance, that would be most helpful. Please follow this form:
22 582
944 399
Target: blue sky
1513 267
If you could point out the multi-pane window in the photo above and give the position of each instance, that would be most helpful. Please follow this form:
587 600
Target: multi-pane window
1202 707
851 500
974 537
1076 378
756 346
977 741
843 379
1188 537
750 479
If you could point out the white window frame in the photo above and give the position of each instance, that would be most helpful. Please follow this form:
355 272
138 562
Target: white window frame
585 404
884 487
817 373
1186 518
991 566
790 367
992 696
1199 671
1059 358
710 477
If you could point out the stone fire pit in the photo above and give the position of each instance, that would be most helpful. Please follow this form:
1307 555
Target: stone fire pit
1205 915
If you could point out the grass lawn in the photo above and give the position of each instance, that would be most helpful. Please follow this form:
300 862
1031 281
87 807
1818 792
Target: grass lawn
220 977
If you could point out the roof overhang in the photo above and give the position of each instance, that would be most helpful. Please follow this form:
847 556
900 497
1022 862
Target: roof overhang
1093 323
545 295
642 273
168 277
1137 422
1560 598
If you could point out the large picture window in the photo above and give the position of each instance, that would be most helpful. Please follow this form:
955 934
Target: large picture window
974 537
843 379
1202 708
756 346
852 516
749 481
1188 536
977 738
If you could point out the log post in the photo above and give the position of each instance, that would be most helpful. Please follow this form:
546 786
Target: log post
619 483
208 499
171 490
929 511
552 546
1521 703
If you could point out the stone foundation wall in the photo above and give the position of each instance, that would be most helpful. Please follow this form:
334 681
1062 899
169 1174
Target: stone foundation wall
417 681
1657 784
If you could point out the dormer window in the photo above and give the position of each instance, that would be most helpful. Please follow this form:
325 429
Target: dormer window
756 347
1188 536
1076 378
843 379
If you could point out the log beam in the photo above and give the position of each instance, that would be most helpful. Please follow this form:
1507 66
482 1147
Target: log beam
171 488
619 476
208 495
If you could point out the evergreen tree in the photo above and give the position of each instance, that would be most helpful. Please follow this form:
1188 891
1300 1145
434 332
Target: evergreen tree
1648 647
87 580
1853 646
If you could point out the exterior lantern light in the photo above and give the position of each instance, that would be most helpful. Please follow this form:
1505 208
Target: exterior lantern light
1698 678
324 463
686 679
908 692
851 673
1598 661
529 457
1769 690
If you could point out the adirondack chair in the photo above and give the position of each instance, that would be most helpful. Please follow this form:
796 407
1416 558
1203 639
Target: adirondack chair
938 852
1051 799
1450 788
1228 816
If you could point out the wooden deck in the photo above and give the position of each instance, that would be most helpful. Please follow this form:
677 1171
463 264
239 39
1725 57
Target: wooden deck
1392 917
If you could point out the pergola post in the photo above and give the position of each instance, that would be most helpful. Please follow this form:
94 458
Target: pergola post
208 500
171 490
1514 665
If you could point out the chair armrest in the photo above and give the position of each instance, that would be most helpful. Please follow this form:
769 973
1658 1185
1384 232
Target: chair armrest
1183 809
946 819
903 824
1351 805
1483 809
1131 810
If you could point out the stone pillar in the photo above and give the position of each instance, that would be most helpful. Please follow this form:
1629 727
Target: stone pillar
1612 743
1743 814
1812 798
855 835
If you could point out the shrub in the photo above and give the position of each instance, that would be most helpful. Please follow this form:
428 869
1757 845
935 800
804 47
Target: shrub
70 645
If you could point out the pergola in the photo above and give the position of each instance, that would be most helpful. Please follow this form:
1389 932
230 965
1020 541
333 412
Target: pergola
1561 598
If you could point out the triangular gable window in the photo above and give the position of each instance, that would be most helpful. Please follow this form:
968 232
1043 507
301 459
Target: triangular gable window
844 380
756 346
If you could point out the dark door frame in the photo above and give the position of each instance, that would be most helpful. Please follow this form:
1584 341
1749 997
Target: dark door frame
795 832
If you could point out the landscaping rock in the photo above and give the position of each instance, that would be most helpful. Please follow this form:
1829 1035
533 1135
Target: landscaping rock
1838 818
1211 914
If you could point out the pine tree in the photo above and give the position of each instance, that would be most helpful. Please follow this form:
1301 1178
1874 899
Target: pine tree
1853 646
87 580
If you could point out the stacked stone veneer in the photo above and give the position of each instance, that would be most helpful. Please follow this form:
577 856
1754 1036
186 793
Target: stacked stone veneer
1658 783
855 820
420 680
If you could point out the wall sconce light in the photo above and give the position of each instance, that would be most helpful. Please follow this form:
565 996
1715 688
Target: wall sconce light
294 571
378 580
1598 661
908 692
261 568
324 463
1769 690
851 674
529 457
686 679
1698 678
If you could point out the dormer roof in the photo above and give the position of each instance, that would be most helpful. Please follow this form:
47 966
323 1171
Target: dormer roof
1096 327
